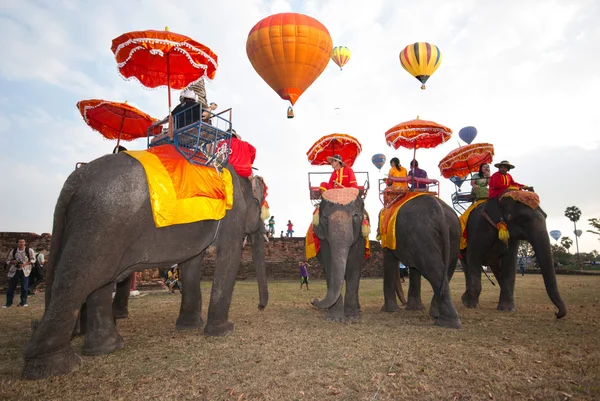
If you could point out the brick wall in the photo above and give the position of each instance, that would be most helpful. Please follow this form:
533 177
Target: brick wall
281 256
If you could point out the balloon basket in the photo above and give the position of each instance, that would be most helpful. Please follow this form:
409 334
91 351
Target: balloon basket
290 112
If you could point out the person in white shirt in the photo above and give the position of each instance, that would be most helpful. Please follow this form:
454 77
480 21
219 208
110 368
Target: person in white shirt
20 261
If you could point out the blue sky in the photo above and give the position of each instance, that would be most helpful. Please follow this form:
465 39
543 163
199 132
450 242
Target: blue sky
525 73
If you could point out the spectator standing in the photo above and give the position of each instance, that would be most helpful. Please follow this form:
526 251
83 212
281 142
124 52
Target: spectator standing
272 226
303 273
290 228
20 262
37 272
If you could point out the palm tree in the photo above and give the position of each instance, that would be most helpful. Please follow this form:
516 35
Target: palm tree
566 242
573 213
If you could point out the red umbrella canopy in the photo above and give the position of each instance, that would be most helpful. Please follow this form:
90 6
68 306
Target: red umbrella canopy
163 58
416 134
466 159
116 120
344 145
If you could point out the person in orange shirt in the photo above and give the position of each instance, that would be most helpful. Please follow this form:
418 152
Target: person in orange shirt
342 176
397 171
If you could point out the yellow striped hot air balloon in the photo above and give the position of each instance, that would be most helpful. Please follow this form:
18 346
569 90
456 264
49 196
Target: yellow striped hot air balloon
340 55
421 59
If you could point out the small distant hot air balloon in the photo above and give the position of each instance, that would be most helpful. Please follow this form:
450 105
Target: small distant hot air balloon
378 160
457 181
578 233
555 234
421 59
289 51
341 55
467 134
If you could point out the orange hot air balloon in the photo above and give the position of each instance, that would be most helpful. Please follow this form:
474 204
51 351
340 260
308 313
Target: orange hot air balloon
289 51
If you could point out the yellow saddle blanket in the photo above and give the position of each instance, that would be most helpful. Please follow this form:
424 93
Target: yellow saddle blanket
181 192
463 222
387 220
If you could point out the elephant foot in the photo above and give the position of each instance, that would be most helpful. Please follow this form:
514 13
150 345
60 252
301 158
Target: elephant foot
434 311
101 346
389 307
189 324
469 301
352 315
448 323
261 307
56 364
222 329
335 318
507 306
121 313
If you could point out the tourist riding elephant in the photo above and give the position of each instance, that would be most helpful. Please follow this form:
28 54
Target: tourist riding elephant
338 225
103 231
427 236
484 248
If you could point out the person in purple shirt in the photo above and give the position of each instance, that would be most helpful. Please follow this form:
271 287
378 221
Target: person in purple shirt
418 173
303 273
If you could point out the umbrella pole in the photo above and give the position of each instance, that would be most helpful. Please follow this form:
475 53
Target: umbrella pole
170 132
120 130
413 166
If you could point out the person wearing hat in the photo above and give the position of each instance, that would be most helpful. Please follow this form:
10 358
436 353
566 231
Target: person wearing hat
499 182
342 176
187 111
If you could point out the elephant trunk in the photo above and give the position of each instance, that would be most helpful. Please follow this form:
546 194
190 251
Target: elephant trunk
340 236
541 246
258 258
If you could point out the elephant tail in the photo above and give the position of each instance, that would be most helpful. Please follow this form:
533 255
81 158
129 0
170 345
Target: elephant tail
58 228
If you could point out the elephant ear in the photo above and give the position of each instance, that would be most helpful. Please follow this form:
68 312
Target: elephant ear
318 228
366 225
259 192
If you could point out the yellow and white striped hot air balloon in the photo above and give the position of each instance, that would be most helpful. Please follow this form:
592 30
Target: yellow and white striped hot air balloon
340 55
421 59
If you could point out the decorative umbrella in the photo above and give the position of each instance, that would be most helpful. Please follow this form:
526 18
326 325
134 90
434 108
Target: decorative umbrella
466 159
335 144
416 134
163 58
115 120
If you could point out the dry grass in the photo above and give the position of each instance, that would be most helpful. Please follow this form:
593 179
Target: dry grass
290 352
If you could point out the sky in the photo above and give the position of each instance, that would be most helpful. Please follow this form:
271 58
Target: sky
525 73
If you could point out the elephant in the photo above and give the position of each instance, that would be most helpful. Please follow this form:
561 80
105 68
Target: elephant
338 225
103 231
427 240
484 248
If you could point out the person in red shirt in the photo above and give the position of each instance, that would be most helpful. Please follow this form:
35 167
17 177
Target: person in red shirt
242 155
342 176
499 182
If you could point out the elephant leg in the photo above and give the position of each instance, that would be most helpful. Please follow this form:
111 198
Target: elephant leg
414 290
445 313
101 335
190 311
229 254
121 300
48 351
351 305
506 280
390 272
470 298
336 312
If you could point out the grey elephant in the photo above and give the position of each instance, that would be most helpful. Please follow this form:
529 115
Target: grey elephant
103 231
427 239
484 248
338 225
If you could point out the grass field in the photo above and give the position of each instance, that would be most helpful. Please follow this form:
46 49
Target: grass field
289 352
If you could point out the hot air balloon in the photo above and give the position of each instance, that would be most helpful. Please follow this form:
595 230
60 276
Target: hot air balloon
341 55
555 234
457 181
289 51
378 160
578 233
421 59
467 134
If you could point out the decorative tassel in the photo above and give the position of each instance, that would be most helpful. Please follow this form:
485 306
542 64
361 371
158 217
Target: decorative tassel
264 213
366 228
315 218
503 234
